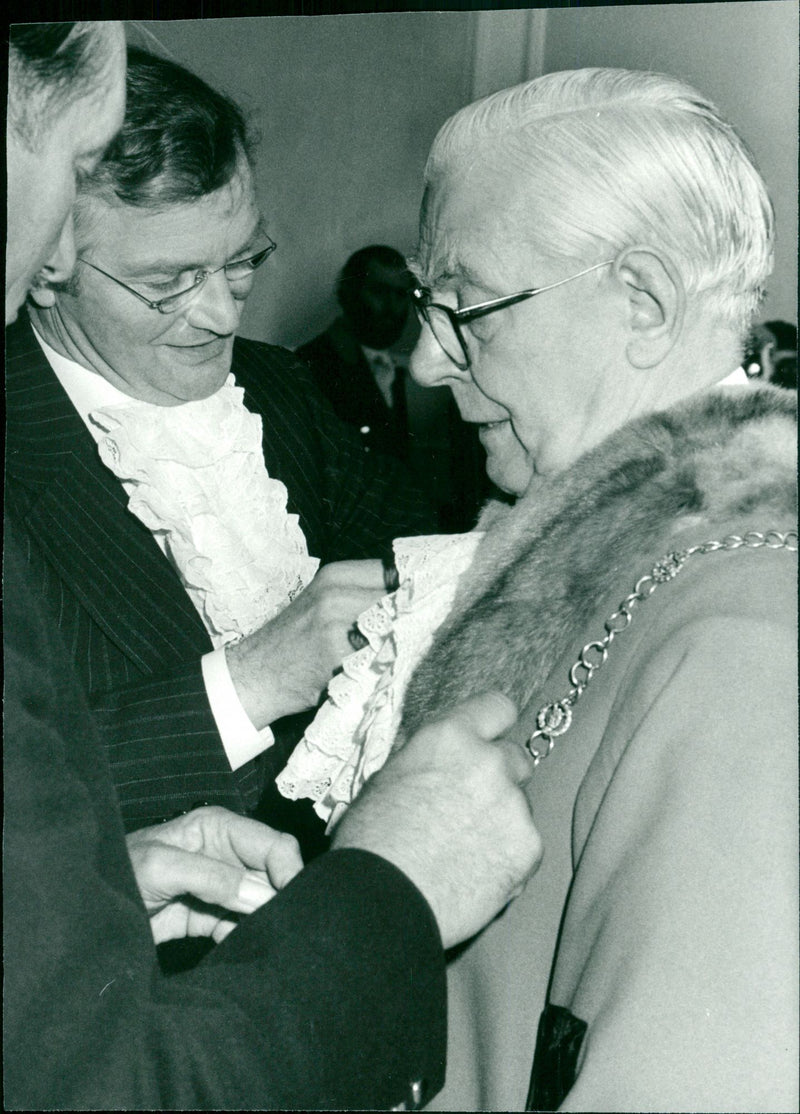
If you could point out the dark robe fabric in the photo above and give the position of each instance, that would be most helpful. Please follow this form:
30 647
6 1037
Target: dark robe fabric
329 997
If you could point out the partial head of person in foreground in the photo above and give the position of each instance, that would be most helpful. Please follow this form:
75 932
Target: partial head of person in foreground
169 236
639 215
66 97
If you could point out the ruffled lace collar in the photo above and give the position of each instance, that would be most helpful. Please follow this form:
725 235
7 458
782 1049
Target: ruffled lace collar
195 476
353 732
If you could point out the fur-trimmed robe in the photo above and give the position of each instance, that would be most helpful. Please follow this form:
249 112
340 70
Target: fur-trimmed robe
669 810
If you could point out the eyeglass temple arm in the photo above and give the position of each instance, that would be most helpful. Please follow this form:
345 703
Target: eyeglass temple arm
520 296
119 282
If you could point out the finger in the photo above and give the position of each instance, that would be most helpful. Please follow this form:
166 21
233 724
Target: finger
518 762
211 922
488 715
254 891
284 860
350 602
222 929
263 849
357 574
211 881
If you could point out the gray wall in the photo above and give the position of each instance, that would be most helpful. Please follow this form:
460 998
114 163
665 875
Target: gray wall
348 105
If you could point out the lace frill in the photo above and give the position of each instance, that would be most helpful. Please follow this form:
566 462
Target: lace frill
195 476
353 732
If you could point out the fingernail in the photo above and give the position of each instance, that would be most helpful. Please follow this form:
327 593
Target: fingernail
254 891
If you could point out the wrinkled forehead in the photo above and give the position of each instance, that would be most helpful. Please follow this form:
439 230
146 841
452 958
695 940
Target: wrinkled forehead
469 225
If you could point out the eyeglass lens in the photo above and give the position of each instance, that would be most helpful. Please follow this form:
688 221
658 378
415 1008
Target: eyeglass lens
237 271
445 333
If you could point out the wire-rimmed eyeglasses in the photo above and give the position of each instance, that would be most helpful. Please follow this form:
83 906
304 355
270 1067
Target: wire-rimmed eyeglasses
238 271
445 322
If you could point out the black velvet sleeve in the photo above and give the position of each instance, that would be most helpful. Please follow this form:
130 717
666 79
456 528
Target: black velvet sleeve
332 995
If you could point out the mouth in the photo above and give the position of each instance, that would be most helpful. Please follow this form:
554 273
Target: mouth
487 430
203 350
202 343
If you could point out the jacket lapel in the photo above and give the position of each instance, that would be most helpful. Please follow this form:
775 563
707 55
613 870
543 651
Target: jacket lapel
77 512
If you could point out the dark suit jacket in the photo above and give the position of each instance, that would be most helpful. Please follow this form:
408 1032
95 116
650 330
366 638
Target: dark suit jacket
423 427
330 996
343 375
129 626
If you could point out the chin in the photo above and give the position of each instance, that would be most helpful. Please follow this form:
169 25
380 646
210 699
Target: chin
513 479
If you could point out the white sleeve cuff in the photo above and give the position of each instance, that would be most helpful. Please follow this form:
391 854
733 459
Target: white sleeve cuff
241 740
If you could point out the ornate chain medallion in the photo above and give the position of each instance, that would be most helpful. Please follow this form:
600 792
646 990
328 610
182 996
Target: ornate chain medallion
555 719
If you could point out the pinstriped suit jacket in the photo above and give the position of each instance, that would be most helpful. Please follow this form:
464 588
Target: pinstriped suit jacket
129 626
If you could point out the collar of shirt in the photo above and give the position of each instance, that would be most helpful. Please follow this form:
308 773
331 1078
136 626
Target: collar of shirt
383 366
737 378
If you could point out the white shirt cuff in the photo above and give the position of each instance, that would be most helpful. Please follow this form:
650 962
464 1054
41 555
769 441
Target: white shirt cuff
241 740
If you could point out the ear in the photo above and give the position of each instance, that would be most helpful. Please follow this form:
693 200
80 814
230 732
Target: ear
656 304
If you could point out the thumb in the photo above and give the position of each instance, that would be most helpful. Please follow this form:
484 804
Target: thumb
215 882
284 860
488 714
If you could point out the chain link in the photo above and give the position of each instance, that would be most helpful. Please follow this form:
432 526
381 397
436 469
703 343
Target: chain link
555 719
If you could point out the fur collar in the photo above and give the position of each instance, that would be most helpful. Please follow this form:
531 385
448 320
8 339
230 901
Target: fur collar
545 563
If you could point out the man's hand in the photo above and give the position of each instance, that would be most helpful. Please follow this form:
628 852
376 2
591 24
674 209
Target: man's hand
284 667
448 810
198 872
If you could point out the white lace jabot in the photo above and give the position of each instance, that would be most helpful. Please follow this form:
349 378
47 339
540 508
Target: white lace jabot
353 732
195 476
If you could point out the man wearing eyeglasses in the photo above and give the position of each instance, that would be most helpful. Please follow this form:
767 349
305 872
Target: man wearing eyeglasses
178 487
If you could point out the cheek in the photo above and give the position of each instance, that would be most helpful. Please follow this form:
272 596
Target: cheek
115 328
500 375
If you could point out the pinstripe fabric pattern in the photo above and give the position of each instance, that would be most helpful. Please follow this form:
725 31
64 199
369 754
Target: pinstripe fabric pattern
128 625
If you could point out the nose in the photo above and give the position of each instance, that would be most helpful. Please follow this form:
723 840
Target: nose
61 263
430 365
214 307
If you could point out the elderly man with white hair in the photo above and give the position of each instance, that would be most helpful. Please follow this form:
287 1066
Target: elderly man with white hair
593 247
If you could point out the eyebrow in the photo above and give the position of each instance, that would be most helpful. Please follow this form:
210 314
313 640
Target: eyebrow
173 266
95 153
451 269
455 270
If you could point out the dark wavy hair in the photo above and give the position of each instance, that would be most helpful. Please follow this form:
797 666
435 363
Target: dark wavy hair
180 139
51 65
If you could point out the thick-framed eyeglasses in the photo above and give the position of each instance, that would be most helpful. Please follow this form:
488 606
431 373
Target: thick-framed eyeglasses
238 271
445 323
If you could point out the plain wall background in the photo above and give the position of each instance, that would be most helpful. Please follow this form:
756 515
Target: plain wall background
348 105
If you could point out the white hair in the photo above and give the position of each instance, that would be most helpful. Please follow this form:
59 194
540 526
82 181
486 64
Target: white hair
50 67
614 158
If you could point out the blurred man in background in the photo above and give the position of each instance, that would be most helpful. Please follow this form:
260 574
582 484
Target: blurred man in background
355 361
360 362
